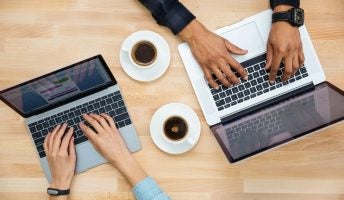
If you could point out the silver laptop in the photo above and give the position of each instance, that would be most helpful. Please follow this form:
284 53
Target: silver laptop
63 96
223 107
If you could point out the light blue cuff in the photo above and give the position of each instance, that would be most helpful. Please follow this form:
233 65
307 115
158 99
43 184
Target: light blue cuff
148 189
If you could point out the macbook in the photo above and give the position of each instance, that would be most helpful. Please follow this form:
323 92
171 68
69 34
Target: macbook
222 107
63 96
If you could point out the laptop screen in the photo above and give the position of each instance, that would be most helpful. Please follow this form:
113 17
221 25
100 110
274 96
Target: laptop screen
281 122
58 86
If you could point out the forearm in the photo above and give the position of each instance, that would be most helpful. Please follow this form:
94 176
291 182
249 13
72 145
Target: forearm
192 31
131 170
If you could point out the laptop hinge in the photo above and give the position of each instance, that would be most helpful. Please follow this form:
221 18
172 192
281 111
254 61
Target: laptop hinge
300 90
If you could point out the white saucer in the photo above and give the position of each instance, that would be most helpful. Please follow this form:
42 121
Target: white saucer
158 68
156 128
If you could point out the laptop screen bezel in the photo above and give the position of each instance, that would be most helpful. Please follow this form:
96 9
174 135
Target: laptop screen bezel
232 160
65 101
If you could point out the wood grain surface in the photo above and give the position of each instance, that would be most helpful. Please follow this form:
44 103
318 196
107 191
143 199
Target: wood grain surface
39 36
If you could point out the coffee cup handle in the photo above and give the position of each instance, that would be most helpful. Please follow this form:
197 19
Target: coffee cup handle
191 141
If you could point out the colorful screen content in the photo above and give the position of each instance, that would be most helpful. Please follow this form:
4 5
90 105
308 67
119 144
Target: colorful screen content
57 87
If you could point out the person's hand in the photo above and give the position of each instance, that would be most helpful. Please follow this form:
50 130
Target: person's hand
285 45
60 150
109 143
213 54
105 138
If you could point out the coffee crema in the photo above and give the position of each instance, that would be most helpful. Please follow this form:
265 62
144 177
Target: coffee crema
175 128
144 53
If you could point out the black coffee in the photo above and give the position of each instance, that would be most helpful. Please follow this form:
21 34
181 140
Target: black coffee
175 128
144 53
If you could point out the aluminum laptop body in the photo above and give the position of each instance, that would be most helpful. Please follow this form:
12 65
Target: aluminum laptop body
63 96
255 116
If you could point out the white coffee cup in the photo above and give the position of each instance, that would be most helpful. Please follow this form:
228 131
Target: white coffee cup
135 53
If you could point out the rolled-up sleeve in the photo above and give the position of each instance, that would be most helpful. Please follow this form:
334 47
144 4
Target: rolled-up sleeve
148 189
294 3
169 13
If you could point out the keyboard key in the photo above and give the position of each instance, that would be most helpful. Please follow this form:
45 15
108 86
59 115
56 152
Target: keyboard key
32 129
254 82
240 95
121 124
266 90
120 103
250 69
220 103
235 90
58 120
41 154
262 65
96 105
247 85
222 94
241 87
112 113
240 100
40 148
102 103
229 92
246 98
122 117
272 87
108 108
127 122
278 85
80 140
70 122
247 92
37 135
228 99
233 103
120 110
259 93
71 115
253 90
39 141
259 87
101 110
109 101
227 105
262 72
114 106
256 67
221 108
116 98
255 74
260 80
266 85
52 122
253 95
303 70
250 77
39 127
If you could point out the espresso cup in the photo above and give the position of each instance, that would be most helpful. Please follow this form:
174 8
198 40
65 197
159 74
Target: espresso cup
142 54
175 129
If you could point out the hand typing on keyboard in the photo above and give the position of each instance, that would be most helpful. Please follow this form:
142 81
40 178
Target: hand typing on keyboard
213 54
284 45
60 150
106 139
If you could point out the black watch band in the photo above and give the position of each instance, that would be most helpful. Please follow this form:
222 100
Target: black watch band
294 16
281 16
57 192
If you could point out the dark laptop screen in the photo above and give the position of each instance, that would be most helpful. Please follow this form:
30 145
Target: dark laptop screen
58 86
280 123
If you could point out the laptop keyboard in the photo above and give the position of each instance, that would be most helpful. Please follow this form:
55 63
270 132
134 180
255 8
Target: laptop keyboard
257 83
111 104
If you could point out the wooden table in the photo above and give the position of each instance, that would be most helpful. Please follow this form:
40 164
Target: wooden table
38 36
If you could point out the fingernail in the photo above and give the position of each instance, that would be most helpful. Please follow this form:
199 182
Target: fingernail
246 78
272 82
217 87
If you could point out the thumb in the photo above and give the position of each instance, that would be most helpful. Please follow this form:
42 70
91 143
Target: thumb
234 49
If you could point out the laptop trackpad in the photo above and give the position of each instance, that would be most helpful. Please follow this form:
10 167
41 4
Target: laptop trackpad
246 37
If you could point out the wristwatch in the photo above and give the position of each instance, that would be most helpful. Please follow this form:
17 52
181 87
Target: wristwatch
57 192
295 16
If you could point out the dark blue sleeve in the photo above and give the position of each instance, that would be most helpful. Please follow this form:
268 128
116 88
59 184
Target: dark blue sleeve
170 13
294 3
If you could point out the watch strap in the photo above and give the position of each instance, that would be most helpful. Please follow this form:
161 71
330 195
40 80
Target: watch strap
281 16
57 192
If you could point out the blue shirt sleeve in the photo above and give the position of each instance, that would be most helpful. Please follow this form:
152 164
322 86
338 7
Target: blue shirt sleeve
170 13
148 189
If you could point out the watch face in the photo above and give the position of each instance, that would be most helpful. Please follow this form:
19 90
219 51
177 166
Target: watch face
298 16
